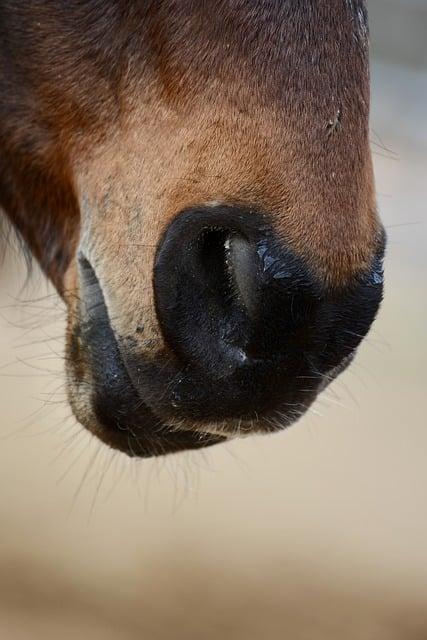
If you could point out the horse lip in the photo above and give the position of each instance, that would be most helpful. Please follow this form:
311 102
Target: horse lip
134 422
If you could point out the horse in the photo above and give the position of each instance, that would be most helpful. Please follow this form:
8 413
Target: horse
195 179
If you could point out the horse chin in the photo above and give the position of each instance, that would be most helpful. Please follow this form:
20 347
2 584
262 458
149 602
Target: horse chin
140 434
134 429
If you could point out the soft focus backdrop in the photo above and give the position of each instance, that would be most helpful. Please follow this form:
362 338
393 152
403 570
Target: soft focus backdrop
316 533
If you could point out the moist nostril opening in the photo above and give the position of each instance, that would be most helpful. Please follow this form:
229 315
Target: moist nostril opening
198 304
213 258
222 319
229 294
228 267
243 269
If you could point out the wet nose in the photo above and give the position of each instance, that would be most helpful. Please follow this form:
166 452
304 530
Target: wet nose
210 286
251 327
234 303
251 332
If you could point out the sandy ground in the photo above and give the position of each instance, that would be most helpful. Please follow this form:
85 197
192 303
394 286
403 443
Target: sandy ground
318 533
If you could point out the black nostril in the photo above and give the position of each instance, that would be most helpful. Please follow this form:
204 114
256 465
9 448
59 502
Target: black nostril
205 283
225 289
211 252
236 304
243 269
228 266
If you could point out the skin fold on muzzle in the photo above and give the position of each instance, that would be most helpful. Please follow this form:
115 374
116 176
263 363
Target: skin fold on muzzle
196 181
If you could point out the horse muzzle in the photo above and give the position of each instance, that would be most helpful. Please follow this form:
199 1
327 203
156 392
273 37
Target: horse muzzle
250 336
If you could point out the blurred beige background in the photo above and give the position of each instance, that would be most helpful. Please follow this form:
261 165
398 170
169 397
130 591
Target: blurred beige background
317 533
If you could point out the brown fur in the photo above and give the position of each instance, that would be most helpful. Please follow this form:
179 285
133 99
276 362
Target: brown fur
114 116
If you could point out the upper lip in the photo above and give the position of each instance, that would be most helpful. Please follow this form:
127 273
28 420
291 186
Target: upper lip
128 422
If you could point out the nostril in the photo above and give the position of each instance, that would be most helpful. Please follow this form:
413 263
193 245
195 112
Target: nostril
242 269
226 291
227 264
213 257
202 292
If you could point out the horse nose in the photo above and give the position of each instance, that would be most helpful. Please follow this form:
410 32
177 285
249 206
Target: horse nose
227 292
251 333
250 328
